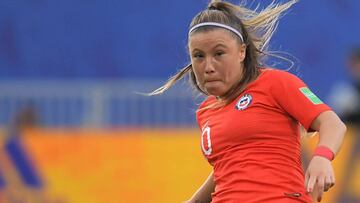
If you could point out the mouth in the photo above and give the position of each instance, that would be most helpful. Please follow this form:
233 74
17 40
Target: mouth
213 80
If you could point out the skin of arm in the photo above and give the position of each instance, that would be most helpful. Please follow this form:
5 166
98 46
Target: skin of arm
203 194
331 130
320 174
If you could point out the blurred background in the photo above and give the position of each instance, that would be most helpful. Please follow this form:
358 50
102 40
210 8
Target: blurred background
74 130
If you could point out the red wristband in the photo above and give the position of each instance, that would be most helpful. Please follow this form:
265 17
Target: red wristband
324 152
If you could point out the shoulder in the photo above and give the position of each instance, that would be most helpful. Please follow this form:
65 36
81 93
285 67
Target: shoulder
272 73
278 77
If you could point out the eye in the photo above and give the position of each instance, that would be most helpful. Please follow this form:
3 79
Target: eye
219 53
198 55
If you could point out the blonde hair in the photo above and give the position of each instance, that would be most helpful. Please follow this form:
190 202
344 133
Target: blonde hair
257 28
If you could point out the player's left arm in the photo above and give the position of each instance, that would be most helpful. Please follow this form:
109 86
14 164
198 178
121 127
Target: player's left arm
320 174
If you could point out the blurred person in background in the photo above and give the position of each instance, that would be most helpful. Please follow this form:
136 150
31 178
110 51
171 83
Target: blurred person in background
26 117
250 120
345 100
22 180
345 96
2 186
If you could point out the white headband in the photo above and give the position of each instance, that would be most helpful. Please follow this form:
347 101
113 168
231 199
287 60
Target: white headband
217 25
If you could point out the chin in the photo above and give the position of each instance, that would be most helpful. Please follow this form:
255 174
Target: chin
215 92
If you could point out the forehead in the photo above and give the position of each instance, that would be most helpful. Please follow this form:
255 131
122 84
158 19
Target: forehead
211 37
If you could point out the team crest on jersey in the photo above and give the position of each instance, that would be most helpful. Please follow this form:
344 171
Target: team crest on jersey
244 102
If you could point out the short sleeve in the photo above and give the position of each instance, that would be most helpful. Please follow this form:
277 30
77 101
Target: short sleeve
296 98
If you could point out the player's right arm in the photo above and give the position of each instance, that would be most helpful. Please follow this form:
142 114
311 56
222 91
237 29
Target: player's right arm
203 194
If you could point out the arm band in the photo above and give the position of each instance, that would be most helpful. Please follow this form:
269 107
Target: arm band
324 152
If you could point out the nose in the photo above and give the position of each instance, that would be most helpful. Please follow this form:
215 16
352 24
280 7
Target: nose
209 66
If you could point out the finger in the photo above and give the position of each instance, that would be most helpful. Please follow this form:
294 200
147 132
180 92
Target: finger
310 184
332 181
328 183
332 178
306 179
320 187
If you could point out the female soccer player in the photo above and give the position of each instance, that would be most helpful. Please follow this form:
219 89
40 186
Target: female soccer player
251 118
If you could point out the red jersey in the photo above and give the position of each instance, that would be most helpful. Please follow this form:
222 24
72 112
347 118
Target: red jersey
253 143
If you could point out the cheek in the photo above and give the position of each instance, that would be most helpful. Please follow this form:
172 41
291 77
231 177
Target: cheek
234 74
198 75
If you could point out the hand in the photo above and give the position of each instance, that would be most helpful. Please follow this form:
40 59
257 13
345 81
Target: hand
319 176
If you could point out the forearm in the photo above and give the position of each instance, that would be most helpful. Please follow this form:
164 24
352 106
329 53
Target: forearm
331 131
203 194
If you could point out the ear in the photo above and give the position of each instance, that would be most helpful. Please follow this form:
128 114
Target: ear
242 52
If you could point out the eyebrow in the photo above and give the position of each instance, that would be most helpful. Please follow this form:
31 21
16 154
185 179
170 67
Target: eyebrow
218 45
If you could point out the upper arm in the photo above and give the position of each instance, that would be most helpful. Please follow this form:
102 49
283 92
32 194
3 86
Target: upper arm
328 117
295 98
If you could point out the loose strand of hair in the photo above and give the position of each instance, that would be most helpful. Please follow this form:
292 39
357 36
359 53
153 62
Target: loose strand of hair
272 54
172 80
264 23
278 54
